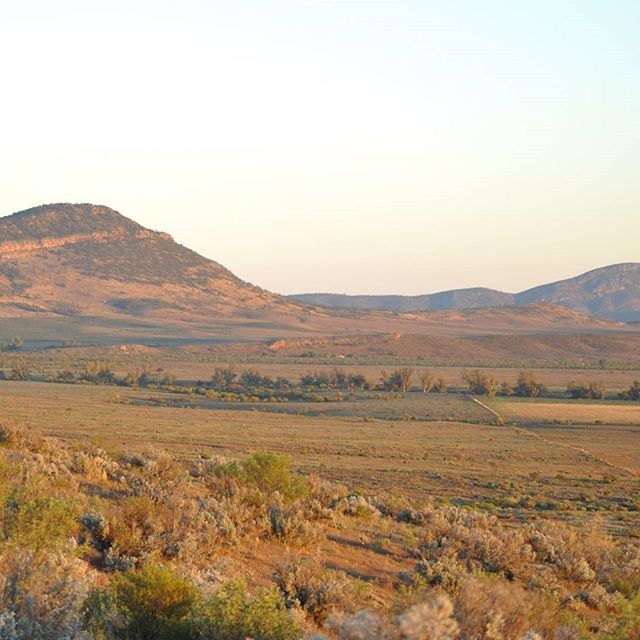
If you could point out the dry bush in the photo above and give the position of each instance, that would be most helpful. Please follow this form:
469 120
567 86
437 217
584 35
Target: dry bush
431 620
363 625
475 539
358 506
306 584
290 524
41 596
494 609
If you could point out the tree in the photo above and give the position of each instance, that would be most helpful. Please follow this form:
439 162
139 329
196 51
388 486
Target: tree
598 390
223 378
356 381
252 378
506 389
338 379
398 380
583 390
67 374
315 379
426 380
633 392
480 383
19 371
527 386
440 386
15 344
98 373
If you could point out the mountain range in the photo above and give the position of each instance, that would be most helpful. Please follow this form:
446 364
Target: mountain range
609 292
86 272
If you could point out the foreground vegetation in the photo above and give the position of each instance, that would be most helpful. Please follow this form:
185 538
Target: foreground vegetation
143 546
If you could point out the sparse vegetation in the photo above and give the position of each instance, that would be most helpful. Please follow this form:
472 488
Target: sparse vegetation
158 537
505 540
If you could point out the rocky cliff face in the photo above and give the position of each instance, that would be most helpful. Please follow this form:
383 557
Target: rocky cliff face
10 250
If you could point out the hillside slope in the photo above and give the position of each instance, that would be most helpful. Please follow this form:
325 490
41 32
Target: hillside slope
84 260
609 292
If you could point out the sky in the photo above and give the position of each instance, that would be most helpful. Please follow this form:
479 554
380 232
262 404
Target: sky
339 145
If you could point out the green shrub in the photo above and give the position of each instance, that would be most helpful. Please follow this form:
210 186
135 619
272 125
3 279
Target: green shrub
625 623
154 603
234 615
270 472
38 523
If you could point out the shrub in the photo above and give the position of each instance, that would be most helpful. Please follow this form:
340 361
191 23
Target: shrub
291 524
433 620
154 603
41 596
38 522
363 625
625 623
306 584
270 472
495 608
231 614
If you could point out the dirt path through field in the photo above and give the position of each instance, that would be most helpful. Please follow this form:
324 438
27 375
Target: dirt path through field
582 450
499 420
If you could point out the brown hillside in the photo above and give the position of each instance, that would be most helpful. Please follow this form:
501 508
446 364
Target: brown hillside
89 260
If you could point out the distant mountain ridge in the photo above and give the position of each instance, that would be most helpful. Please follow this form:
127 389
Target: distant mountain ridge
611 292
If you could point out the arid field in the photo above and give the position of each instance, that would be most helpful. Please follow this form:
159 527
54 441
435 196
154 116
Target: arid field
441 447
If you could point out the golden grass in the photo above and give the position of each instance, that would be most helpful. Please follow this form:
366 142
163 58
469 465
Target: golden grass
582 412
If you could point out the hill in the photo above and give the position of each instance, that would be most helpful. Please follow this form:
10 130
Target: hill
69 260
609 292
87 273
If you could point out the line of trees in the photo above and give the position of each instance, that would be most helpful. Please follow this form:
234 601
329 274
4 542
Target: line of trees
401 380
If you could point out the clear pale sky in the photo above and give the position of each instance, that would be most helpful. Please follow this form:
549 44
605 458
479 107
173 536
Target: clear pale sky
345 146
